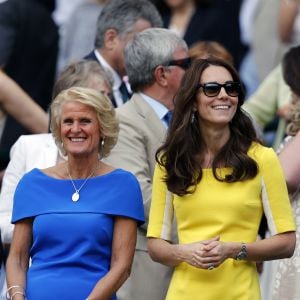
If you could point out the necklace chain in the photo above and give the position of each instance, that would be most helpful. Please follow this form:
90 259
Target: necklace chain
75 196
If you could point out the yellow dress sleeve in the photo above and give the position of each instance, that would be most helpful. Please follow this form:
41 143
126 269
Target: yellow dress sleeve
161 210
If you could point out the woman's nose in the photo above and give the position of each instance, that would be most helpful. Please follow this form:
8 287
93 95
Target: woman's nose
75 127
222 93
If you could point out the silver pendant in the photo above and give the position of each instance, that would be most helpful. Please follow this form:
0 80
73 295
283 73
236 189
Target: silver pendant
75 197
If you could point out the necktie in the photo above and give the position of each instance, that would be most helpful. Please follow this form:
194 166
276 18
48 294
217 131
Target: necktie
124 92
168 117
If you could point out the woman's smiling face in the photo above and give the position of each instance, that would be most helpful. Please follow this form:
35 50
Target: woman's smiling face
217 110
80 131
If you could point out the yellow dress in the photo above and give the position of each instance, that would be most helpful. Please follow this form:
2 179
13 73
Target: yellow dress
230 210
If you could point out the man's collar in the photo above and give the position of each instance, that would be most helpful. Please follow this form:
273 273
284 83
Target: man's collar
116 78
159 108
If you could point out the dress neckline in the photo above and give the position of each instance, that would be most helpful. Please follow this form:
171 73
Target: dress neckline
78 179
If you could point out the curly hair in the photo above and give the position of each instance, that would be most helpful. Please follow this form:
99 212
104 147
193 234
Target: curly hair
182 153
106 116
294 125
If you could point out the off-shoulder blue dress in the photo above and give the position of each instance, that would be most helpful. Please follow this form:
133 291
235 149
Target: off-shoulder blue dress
72 241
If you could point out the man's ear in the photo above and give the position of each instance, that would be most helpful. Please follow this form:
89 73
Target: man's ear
110 38
160 75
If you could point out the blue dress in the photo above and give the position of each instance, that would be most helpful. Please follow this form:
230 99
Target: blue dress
72 241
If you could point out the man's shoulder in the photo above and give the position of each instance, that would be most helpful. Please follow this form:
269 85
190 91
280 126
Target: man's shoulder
130 108
135 106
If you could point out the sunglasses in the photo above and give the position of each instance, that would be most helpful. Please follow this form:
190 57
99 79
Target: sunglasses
212 89
183 63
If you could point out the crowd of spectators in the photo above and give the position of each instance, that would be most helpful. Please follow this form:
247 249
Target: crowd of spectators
245 58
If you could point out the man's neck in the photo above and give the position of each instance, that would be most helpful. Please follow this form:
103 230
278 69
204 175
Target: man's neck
159 95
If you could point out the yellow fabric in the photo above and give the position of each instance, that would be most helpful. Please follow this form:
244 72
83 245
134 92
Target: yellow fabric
229 210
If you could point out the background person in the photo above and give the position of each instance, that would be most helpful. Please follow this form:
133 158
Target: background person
280 277
104 203
215 177
117 24
79 31
286 271
290 163
155 60
206 49
205 20
27 59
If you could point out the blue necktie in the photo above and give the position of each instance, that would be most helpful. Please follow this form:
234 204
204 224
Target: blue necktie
168 117
124 92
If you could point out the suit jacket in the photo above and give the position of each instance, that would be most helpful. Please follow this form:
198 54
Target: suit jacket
91 56
29 151
141 133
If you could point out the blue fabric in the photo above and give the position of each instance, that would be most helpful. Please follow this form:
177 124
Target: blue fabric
168 117
124 92
71 249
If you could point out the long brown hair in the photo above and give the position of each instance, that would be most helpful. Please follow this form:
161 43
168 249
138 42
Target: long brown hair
183 151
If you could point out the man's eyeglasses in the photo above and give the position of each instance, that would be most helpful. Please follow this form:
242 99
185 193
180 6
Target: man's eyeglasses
183 63
212 89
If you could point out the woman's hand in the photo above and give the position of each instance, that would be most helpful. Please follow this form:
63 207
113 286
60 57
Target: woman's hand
208 254
202 254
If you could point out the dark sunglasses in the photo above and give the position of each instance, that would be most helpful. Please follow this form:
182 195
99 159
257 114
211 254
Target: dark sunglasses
183 63
212 89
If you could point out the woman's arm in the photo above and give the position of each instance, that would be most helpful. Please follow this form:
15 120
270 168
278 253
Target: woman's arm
290 161
173 254
214 252
21 107
288 11
18 258
123 248
13 173
276 247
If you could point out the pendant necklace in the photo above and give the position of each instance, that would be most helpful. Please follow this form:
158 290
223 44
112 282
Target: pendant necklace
76 195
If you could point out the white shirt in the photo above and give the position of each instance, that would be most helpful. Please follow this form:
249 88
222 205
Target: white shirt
159 108
116 78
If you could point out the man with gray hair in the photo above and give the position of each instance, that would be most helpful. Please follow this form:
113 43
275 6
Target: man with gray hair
117 24
155 61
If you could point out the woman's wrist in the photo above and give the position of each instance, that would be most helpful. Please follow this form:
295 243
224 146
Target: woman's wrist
179 253
233 249
15 292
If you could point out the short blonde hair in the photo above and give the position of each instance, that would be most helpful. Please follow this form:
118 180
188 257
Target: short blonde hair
106 116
